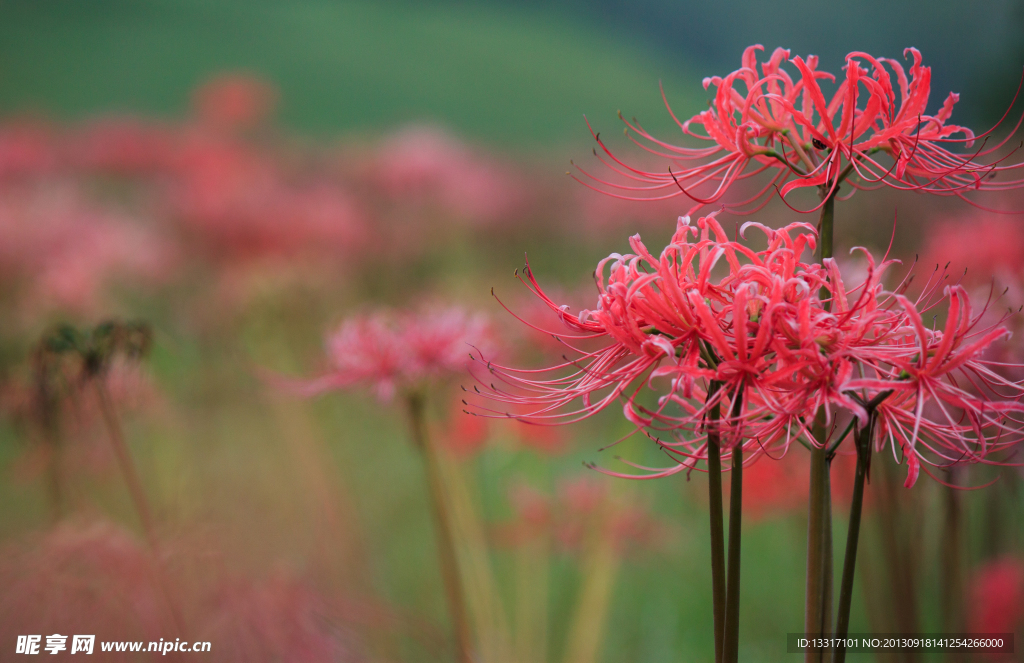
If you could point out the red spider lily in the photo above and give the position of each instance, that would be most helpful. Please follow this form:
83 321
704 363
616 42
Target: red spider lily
753 354
390 351
781 123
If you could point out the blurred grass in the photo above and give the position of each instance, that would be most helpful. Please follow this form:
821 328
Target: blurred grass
511 75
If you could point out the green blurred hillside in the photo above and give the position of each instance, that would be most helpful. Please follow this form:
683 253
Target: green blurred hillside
498 73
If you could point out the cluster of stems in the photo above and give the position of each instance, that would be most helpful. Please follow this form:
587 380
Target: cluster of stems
818 606
725 573
725 570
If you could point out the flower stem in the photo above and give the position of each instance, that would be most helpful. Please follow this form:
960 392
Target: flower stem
717 533
416 403
131 477
124 459
819 549
818 602
863 442
732 609
825 224
951 599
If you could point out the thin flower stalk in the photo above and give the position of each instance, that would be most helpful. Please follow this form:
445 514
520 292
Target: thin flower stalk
732 610
415 404
406 353
714 465
46 406
952 596
816 621
818 602
138 493
862 440
124 461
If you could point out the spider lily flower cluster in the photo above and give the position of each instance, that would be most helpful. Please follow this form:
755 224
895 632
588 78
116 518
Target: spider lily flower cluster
389 351
782 124
749 345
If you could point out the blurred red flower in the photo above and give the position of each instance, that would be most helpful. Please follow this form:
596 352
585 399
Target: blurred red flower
234 100
997 594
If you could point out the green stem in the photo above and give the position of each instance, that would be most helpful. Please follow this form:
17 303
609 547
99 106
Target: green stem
717 533
863 442
827 554
951 564
819 552
416 403
732 605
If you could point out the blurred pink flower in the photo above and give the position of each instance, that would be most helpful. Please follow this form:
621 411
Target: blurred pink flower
389 351
236 201
26 149
424 165
546 440
82 577
981 246
997 594
463 436
276 621
68 251
123 146
234 100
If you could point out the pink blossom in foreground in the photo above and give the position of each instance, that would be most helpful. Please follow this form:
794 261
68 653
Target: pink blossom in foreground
389 351
773 120
749 345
